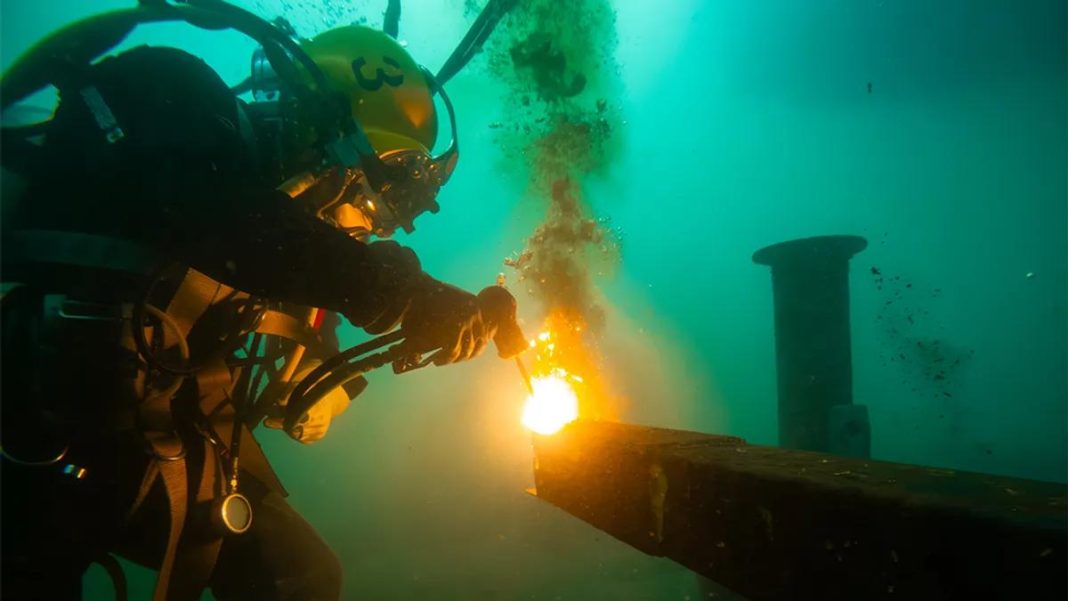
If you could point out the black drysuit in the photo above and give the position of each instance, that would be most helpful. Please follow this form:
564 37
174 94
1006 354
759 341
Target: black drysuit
184 182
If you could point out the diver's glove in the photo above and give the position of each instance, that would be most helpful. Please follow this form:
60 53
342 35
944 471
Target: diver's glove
317 420
444 317
434 316
499 311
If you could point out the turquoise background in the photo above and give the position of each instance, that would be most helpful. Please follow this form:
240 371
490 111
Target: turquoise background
745 124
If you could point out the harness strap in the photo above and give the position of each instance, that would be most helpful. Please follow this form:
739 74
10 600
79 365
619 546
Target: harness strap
118 578
195 294
276 323
193 297
196 555
151 473
169 464
190 554
213 384
174 481
192 558
221 415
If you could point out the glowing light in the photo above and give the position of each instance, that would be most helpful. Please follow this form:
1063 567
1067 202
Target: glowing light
553 404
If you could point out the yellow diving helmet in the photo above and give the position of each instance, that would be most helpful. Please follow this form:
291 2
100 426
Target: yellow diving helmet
391 98
389 93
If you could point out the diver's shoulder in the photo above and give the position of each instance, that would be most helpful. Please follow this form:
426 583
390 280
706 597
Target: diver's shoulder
168 62
153 53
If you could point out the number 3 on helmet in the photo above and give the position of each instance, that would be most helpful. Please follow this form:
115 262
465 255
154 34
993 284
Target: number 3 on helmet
392 99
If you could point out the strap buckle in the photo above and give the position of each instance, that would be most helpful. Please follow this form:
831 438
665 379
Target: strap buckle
102 114
86 311
156 448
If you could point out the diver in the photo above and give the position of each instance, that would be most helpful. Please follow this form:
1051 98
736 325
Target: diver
172 264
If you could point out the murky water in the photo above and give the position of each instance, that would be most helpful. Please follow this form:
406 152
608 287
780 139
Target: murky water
621 161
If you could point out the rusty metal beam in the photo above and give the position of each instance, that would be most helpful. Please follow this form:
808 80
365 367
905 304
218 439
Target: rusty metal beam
774 524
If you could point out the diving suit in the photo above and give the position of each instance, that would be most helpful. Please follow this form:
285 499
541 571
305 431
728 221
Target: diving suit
148 266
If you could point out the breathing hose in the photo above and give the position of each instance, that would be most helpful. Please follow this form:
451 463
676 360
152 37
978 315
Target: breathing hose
472 42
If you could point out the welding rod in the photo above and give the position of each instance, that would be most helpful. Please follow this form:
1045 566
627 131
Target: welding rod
526 376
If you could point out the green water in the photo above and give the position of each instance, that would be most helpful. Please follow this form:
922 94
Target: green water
735 126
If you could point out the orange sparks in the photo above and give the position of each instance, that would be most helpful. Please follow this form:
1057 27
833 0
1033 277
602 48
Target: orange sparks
565 378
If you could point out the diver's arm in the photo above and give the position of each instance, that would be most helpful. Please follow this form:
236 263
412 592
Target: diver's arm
265 244
268 245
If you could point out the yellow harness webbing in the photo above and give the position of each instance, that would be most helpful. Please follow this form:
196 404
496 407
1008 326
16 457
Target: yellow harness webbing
192 557
193 560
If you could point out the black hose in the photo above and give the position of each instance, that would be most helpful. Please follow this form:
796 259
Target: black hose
476 36
261 30
137 328
343 357
342 375
391 24
150 357
261 406
240 396
297 403
244 86
101 33
118 577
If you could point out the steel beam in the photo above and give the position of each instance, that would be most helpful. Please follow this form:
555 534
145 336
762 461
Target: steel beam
773 524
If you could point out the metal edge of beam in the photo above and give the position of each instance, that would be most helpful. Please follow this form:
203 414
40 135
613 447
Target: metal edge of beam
772 524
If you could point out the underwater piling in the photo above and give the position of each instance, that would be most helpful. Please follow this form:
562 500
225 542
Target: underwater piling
810 282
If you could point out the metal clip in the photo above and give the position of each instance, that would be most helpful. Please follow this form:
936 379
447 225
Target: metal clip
105 119
411 363
153 450
83 311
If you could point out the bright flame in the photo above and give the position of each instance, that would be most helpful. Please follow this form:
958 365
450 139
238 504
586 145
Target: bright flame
553 405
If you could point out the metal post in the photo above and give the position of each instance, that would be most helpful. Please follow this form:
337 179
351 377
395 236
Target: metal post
810 279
